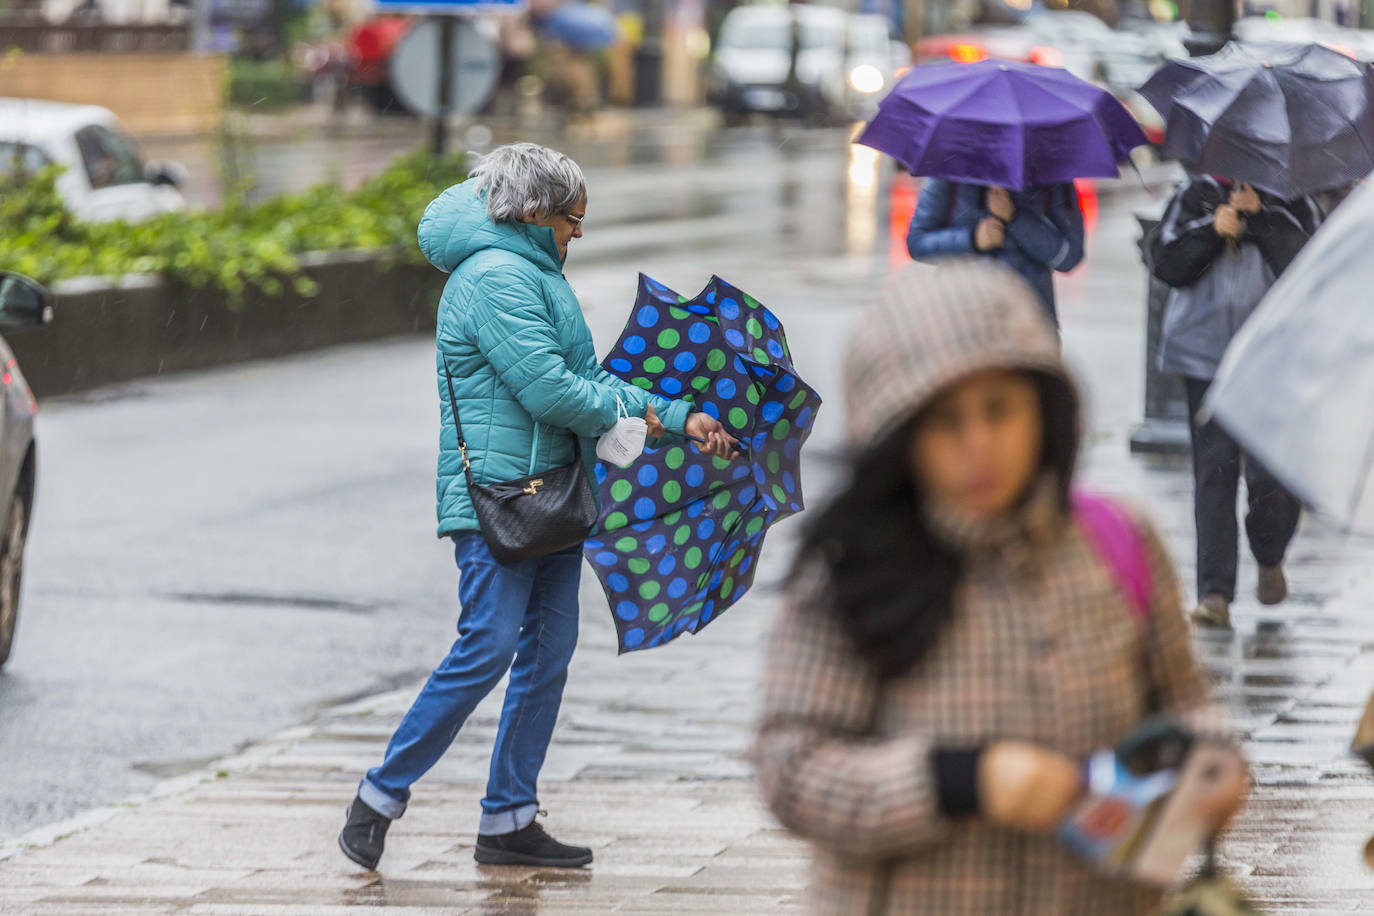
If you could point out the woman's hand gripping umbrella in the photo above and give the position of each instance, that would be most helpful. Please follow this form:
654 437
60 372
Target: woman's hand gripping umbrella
682 528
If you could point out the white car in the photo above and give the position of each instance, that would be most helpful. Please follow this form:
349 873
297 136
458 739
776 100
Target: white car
845 62
1259 30
105 177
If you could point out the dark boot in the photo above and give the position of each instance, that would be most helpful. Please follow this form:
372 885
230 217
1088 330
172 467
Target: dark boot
531 846
364 834
1273 586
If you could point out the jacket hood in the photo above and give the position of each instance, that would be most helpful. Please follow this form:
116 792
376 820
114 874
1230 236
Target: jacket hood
456 226
935 325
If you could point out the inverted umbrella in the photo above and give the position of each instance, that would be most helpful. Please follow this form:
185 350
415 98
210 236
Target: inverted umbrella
1289 119
681 531
1001 123
1297 382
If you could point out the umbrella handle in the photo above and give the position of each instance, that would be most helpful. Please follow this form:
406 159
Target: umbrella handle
740 445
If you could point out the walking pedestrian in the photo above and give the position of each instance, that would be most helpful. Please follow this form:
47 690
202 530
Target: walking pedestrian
514 345
954 645
1220 246
1034 232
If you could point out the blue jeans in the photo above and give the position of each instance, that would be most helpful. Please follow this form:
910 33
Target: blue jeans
526 612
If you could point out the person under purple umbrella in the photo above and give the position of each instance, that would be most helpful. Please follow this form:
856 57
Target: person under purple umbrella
1034 232
1000 144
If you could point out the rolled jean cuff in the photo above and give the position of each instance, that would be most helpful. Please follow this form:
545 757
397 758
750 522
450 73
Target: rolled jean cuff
503 822
379 801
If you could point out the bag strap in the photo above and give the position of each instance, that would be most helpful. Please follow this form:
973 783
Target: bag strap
1119 544
458 425
462 442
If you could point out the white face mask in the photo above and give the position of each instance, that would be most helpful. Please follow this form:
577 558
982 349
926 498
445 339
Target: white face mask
623 443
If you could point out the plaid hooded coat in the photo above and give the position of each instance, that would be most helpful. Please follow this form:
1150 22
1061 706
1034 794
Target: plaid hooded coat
1043 647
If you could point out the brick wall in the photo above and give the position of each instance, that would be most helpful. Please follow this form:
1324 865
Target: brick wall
153 94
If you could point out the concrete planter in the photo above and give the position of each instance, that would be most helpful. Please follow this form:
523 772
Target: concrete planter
144 326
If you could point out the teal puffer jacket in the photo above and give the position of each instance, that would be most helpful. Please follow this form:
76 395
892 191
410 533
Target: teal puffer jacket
525 374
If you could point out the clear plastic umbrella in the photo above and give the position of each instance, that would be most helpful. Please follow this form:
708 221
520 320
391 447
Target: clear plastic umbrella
1296 388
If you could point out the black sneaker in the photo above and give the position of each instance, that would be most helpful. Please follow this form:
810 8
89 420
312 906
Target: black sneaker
364 834
531 846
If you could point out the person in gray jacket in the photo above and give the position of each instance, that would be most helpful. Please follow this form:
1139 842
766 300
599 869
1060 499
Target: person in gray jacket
1220 246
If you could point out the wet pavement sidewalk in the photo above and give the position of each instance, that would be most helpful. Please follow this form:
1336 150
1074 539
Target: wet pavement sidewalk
648 767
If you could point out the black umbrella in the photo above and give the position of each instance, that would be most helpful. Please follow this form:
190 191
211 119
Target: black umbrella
1289 119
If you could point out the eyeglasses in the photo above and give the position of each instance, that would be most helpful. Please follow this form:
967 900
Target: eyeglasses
575 220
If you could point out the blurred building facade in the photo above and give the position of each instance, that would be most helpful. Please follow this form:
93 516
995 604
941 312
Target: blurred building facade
130 56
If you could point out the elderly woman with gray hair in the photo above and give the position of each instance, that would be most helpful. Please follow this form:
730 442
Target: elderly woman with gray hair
513 344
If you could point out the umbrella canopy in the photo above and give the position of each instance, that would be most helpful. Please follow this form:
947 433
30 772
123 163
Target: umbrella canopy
681 531
1289 119
1002 123
581 26
1297 382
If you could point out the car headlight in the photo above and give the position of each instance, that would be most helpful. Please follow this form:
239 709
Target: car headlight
867 79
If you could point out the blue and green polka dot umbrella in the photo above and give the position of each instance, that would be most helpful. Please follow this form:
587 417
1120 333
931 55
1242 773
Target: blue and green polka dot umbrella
680 531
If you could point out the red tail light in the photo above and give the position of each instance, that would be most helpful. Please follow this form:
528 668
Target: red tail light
1087 202
1046 57
903 205
963 53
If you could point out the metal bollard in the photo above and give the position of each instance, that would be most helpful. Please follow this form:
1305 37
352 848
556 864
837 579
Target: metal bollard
1165 428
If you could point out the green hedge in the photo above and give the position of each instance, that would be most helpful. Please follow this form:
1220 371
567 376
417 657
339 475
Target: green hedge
234 249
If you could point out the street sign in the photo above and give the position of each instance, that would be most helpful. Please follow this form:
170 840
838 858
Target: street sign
451 7
474 67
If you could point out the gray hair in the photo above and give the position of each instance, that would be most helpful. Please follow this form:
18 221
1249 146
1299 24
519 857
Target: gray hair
525 180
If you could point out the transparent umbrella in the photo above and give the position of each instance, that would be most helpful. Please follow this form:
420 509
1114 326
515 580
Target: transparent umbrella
1297 383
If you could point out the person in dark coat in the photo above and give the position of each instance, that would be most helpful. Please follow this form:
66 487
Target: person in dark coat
1034 232
1220 246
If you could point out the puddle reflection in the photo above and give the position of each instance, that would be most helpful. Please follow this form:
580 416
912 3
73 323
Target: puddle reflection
861 199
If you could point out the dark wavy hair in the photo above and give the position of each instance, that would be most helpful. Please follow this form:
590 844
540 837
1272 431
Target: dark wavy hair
889 580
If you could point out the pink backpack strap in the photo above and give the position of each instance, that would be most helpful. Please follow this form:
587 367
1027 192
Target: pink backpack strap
1120 545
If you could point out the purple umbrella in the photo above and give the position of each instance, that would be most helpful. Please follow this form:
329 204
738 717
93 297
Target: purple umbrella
1004 124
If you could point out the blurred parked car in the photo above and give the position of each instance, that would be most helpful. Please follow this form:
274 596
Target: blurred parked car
105 177
845 63
1065 38
982 43
1260 30
1131 58
1165 40
1077 41
1081 39
23 304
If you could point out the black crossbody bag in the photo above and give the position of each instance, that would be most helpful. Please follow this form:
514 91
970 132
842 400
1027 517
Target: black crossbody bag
532 516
